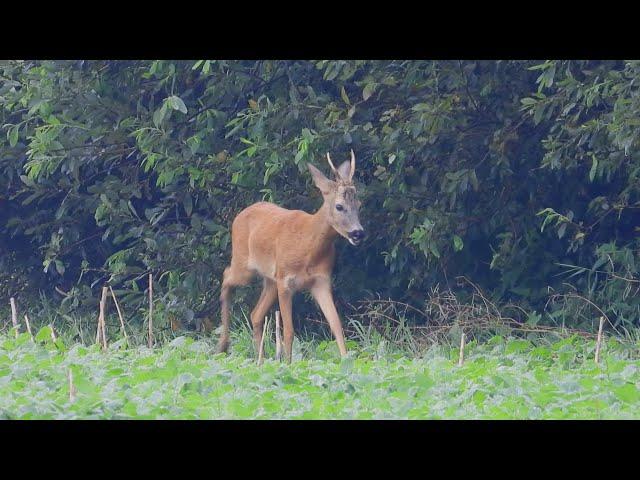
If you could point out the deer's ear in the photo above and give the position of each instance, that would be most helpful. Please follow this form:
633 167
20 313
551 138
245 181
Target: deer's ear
323 183
344 170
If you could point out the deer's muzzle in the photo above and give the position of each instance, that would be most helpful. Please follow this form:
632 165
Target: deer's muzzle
356 236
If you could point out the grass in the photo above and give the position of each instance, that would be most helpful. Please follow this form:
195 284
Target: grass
502 378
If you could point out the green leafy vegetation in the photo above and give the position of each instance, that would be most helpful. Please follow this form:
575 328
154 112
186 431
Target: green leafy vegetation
504 378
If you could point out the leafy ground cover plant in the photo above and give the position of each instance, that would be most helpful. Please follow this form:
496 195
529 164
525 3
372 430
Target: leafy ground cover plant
503 378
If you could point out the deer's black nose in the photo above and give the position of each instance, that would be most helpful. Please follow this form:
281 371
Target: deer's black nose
356 235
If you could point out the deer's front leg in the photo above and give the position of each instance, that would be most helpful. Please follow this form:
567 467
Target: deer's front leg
285 297
321 292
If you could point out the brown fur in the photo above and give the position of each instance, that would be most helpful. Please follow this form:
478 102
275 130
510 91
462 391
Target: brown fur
290 250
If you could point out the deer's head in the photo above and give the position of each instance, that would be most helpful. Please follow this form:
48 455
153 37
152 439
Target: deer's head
341 203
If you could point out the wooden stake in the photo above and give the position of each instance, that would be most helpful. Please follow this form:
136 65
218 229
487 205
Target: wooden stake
261 349
599 341
99 327
278 338
99 330
103 308
72 388
461 357
26 321
150 344
14 316
124 332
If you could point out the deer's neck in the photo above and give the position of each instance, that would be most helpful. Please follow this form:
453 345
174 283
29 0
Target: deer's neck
323 233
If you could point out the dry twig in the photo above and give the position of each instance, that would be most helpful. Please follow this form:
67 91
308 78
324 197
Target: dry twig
26 321
120 316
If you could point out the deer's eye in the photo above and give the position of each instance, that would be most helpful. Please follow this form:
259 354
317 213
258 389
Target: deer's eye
339 207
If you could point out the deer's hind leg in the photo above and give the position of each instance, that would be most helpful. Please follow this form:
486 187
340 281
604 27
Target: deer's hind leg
285 298
266 300
235 275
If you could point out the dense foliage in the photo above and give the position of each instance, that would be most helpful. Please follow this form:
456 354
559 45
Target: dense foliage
523 176
504 378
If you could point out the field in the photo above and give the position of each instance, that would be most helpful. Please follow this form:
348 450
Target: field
502 378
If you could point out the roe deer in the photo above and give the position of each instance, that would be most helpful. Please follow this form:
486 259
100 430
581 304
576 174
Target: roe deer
292 250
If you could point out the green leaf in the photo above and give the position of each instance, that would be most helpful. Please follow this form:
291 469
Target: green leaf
368 90
12 135
159 114
627 393
60 267
177 104
457 243
528 101
44 334
188 204
345 97
421 107
562 230
537 115
474 180
540 66
594 168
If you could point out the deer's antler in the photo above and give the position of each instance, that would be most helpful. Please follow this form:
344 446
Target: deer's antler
333 169
353 165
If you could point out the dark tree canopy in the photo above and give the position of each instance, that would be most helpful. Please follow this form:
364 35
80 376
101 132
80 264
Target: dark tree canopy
522 176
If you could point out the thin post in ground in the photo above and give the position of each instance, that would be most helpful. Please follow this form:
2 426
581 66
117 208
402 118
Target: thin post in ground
72 388
150 340
599 341
278 337
103 307
14 316
261 349
461 357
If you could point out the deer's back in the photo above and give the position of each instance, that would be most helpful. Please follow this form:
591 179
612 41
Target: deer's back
266 217
264 232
